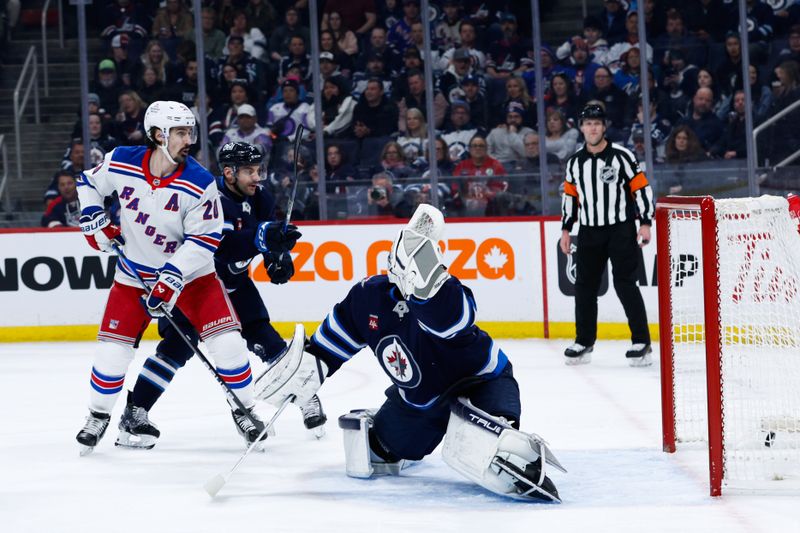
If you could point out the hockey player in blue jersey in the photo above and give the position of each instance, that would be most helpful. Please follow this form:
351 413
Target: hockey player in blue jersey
450 380
248 213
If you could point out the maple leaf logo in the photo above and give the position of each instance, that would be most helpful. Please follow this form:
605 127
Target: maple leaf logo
495 259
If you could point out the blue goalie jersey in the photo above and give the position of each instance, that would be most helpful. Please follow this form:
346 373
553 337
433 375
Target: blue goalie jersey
429 349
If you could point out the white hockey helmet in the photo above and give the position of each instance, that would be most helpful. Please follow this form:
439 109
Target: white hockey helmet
416 264
166 115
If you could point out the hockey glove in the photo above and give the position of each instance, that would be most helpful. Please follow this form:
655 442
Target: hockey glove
165 292
271 236
99 231
279 267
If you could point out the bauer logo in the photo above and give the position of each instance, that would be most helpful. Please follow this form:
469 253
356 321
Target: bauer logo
44 273
398 362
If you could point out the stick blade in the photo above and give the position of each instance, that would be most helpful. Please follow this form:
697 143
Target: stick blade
214 485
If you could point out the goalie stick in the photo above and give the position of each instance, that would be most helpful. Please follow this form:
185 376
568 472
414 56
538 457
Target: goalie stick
215 484
232 398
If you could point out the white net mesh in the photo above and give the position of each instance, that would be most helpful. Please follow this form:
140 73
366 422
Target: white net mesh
759 304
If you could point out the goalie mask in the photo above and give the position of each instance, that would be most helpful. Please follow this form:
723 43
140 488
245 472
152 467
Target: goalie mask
416 265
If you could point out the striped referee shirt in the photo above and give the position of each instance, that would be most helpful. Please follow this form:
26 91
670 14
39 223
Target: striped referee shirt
605 188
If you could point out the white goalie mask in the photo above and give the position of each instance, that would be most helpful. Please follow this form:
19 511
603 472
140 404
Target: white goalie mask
166 115
416 264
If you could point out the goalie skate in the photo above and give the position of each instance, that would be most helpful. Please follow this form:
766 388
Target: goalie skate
314 417
93 430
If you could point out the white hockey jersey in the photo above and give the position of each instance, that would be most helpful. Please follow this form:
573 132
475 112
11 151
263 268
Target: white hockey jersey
176 219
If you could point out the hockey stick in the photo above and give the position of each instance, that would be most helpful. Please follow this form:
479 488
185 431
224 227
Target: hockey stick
298 138
228 392
215 484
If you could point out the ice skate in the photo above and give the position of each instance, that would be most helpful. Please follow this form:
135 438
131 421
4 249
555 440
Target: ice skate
245 426
135 429
314 417
93 430
578 354
640 355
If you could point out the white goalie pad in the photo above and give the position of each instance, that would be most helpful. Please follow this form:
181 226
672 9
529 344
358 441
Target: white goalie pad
360 461
491 453
296 373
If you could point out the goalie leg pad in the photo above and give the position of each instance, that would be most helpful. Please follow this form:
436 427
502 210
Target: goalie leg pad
360 460
491 453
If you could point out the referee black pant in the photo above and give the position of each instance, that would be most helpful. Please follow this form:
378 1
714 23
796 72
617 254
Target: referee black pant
596 245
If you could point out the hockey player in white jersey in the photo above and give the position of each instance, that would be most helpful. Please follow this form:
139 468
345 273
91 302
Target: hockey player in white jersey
170 226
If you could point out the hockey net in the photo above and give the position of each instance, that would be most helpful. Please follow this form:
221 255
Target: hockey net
729 319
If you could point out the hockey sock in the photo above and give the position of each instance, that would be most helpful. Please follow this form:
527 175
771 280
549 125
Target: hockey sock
153 380
108 374
263 340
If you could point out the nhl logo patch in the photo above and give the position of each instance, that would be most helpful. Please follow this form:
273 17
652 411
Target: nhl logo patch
373 322
608 174
398 362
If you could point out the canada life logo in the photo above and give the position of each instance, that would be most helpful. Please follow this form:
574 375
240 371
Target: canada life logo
467 259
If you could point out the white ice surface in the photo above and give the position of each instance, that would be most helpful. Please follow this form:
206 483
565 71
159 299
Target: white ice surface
602 420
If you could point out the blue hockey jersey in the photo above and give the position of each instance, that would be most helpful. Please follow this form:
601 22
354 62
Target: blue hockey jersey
429 349
241 215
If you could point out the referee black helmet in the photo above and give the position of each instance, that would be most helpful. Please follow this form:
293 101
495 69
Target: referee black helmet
592 111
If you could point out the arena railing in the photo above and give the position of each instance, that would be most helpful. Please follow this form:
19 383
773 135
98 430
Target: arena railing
30 71
769 123
6 198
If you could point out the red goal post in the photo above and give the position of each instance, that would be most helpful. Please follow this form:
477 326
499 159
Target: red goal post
729 324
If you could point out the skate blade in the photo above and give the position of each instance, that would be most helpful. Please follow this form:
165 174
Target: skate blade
645 360
84 450
135 442
584 359
319 431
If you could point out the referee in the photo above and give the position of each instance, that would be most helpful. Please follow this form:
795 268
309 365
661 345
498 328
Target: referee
605 191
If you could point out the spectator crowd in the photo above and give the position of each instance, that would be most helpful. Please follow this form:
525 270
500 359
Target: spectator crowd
257 64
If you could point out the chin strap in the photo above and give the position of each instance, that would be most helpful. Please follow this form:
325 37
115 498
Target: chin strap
164 149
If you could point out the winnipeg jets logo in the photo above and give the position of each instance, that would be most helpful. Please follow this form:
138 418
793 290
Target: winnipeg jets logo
401 309
398 362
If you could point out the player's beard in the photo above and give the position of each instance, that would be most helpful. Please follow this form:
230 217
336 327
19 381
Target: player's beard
181 156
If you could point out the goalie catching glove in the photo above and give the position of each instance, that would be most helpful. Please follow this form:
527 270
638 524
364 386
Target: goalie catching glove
416 265
296 374
99 231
